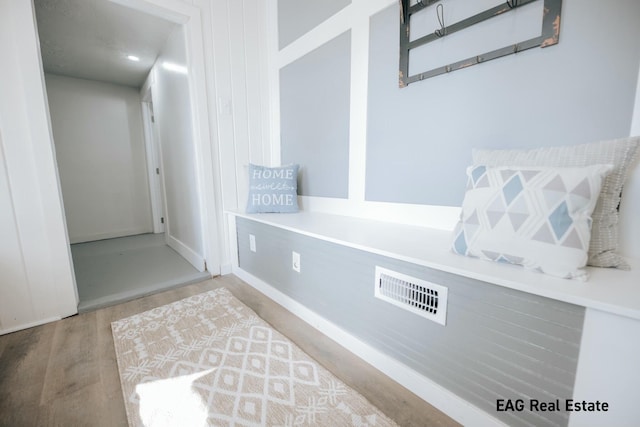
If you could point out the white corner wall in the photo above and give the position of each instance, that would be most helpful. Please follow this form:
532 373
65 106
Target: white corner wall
630 204
98 132
607 370
236 43
635 121
13 295
38 285
174 124
36 274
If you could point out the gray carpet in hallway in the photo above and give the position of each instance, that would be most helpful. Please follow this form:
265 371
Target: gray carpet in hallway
117 270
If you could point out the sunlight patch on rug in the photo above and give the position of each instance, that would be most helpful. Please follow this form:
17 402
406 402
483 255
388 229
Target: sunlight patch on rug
209 360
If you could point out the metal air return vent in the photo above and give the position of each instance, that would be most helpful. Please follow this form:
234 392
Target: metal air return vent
418 296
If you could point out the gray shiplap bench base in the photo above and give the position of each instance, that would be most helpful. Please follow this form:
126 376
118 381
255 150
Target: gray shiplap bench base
510 334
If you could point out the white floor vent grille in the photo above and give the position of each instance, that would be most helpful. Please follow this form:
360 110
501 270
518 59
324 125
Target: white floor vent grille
423 298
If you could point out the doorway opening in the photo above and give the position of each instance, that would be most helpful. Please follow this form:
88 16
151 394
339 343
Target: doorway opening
115 270
126 148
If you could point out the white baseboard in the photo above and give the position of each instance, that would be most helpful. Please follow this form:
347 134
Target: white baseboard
109 235
186 252
28 325
446 401
226 269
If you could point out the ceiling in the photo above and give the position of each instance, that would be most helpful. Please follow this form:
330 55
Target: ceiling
91 39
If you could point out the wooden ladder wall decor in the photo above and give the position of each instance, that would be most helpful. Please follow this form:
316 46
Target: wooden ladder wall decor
549 35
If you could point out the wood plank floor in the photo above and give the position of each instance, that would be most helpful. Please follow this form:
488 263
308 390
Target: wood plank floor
65 373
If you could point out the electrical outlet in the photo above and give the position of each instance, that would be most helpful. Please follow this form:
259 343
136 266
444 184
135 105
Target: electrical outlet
295 261
252 242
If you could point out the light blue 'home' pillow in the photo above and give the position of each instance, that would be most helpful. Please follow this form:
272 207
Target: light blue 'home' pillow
273 190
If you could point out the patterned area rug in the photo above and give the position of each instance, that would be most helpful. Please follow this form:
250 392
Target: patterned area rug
210 360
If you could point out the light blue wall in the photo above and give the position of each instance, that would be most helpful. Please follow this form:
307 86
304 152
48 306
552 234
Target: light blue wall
314 114
297 17
419 138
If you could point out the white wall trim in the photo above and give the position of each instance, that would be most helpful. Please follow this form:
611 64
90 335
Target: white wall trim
233 244
328 30
171 10
29 325
437 217
152 152
208 179
358 12
449 403
630 203
359 60
273 74
607 370
47 273
635 121
226 269
109 235
355 17
207 146
186 252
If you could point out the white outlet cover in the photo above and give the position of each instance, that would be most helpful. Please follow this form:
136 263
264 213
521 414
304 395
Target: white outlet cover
252 242
295 261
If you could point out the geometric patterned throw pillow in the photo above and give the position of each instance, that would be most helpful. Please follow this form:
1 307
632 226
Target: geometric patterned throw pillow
536 217
603 250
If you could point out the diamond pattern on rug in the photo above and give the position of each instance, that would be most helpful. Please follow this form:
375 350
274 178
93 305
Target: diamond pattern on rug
210 360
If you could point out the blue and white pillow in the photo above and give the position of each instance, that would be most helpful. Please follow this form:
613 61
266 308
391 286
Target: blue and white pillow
532 216
273 190
603 250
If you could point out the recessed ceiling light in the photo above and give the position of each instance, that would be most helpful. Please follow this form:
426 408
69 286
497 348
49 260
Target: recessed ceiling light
133 58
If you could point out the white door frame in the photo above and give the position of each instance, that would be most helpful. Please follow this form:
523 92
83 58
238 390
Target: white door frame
45 276
32 169
154 165
208 179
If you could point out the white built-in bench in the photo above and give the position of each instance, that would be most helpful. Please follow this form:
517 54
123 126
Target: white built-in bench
609 290
608 369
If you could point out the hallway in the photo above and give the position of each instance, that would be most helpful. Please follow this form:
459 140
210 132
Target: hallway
117 270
